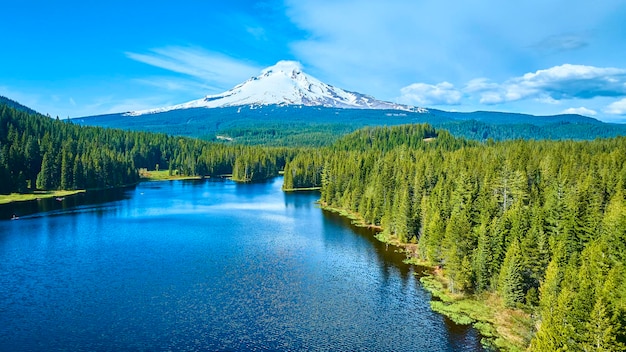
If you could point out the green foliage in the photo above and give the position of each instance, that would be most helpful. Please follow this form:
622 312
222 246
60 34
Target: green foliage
511 281
310 126
540 223
37 152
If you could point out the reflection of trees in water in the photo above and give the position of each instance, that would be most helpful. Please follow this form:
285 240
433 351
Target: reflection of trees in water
47 206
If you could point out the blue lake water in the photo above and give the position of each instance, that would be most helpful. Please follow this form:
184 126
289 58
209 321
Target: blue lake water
207 265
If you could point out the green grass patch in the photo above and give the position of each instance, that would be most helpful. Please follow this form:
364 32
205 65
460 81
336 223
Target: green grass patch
25 197
357 220
435 287
452 311
502 329
164 175
302 189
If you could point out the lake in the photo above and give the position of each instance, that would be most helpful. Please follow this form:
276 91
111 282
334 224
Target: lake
207 265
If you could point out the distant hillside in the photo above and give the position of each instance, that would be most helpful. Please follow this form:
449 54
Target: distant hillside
15 105
315 126
507 118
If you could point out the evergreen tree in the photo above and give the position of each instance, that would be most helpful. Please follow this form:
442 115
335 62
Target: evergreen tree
511 281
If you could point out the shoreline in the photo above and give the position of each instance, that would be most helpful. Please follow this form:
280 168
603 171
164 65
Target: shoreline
501 328
7 199
37 195
164 175
301 189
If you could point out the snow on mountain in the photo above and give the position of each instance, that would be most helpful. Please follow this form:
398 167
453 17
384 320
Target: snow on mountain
285 84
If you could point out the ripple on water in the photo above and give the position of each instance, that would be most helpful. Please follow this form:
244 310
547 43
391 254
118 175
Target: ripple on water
209 265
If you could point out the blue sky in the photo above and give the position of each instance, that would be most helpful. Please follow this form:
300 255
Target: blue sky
78 58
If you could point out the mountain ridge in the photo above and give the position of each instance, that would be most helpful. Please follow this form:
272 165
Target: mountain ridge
285 83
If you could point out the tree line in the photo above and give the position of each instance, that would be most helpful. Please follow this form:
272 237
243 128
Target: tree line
540 223
37 152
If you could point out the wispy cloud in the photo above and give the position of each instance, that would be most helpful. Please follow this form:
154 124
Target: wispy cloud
210 68
177 84
427 94
562 42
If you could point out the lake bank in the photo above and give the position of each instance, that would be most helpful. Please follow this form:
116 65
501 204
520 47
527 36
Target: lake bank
502 328
37 195
164 175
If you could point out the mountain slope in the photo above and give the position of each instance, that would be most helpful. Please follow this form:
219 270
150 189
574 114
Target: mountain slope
285 84
15 105
285 106
315 126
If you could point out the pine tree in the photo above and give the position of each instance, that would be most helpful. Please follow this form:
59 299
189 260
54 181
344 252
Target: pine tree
511 281
44 178
602 329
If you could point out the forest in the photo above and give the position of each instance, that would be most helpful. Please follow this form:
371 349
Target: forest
542 224
539 223
37 152
310 126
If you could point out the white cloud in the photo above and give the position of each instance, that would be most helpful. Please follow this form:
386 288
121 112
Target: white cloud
479 85
617 108
580 111
379 46
208 67
490 98
177 84
426 94
554 84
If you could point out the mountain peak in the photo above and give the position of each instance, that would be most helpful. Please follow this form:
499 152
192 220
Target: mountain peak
284 66
285 84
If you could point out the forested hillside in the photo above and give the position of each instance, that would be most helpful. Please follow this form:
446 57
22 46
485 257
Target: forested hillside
542 224
297 126
539 224
37 152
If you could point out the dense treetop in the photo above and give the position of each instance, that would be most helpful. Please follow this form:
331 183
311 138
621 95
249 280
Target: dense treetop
540 223
37 152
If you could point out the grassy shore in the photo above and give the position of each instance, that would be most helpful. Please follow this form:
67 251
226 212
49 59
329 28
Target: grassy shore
302 189
502 328
144 176
164 175
24 197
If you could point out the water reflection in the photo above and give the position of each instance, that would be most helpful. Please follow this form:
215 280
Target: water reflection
98 201
209 265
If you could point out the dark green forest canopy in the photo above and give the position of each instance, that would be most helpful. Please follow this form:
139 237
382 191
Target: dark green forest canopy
540 223
15 105
315 126
37 152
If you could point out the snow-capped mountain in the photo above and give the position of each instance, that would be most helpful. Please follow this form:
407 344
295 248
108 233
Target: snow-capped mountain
285 84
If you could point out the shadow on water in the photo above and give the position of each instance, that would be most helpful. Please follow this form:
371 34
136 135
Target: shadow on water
300 199
52 206
391 259
389 256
